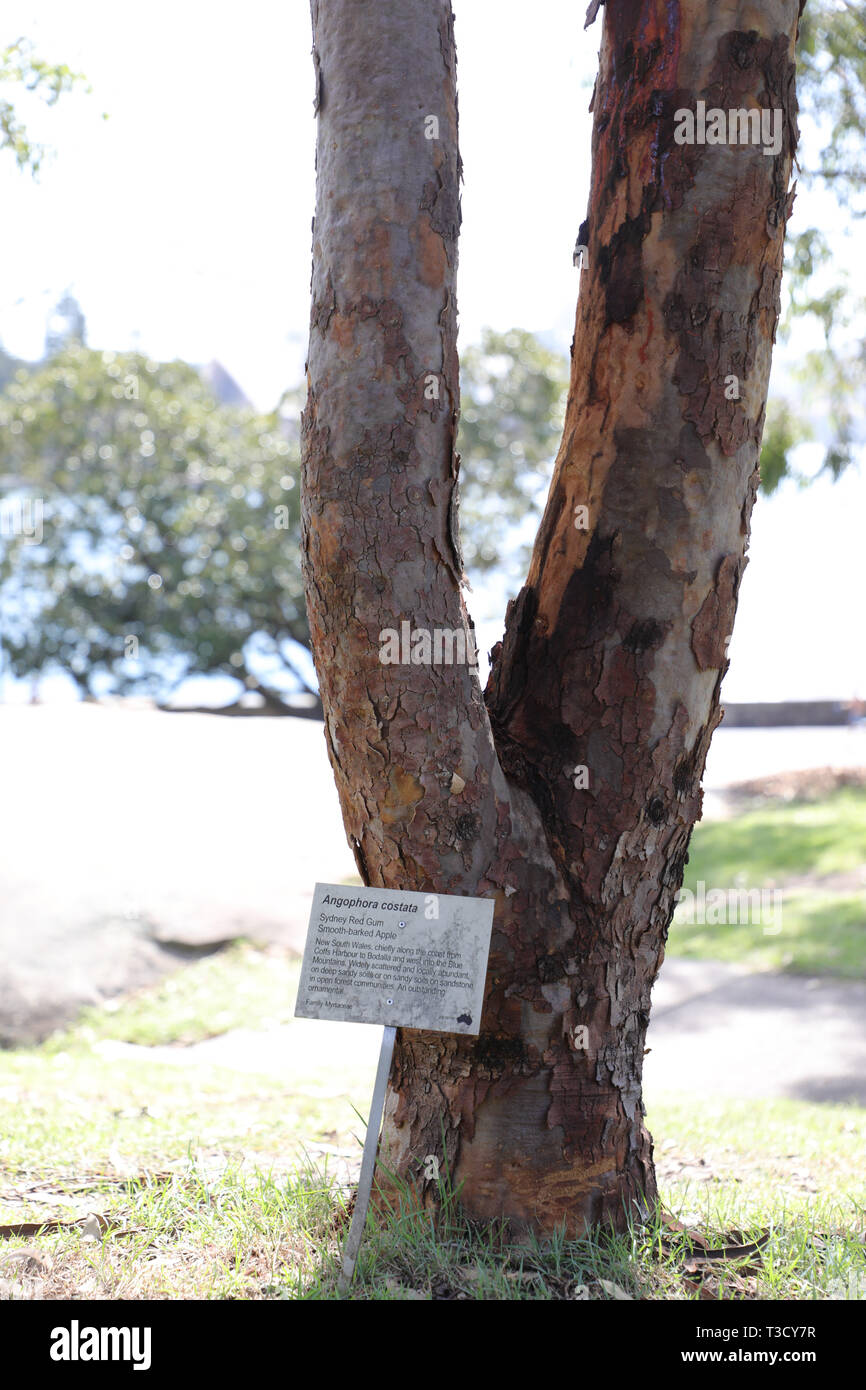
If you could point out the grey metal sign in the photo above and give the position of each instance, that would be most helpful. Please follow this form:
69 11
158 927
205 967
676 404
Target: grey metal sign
408 960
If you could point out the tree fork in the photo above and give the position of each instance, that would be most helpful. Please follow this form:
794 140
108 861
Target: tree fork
614 650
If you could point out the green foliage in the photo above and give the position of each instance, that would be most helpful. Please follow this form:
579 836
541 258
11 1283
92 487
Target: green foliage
159 556
514 389
831 87
513 393
8 366
19 66
783 429
831 75
169 531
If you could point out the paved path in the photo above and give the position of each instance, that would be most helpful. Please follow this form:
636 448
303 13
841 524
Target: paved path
720 1030
715 1030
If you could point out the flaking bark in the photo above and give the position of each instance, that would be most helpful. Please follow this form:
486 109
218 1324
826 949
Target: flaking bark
614 650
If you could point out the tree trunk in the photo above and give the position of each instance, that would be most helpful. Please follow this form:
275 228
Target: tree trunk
615 648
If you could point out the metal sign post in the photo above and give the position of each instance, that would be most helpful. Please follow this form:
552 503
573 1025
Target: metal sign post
368 1162
400 958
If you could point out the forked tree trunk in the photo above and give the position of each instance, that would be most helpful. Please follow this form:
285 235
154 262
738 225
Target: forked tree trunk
615 648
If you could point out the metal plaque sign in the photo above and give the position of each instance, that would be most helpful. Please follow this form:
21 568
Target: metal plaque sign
408 960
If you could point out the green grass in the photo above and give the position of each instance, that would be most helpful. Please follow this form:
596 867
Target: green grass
783 840
809 852
201 1227
412 1257
821 934
779 845
69 1107
215 1183
211 1183
242 986
732 1159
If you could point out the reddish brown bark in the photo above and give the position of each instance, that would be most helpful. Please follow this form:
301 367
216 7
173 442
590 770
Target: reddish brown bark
615 648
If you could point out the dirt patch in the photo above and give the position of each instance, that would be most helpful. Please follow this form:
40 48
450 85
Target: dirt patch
808 784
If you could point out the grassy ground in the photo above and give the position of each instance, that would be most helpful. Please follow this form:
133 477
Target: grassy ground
240 987
814 853
812 850
126 1173
188 1181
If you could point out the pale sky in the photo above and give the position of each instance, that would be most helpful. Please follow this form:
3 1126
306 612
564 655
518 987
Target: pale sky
182 225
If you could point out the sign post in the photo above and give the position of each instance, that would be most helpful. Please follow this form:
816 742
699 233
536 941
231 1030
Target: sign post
368 1162
407 960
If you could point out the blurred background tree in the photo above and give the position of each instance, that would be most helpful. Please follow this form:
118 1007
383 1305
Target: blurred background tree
830 378
160 532
20 67
514 387
169 529
513 392
170 523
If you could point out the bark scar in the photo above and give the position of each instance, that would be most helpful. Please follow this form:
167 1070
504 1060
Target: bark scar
715 619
